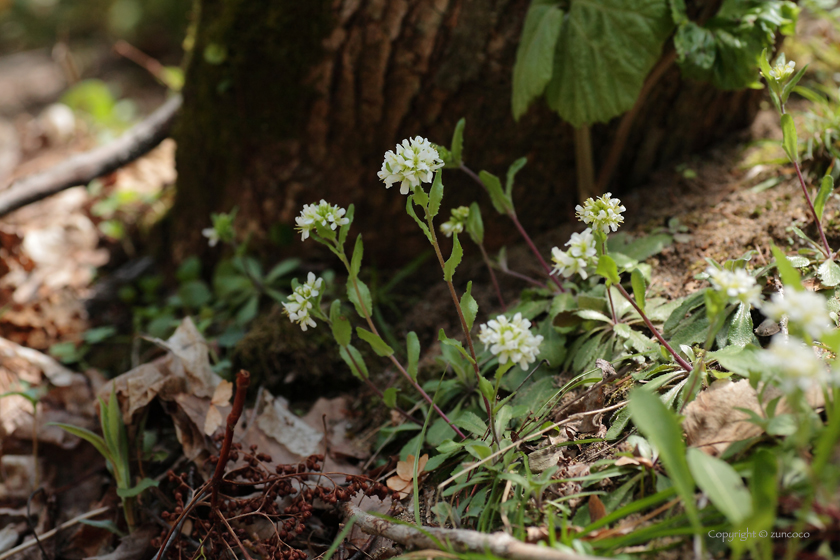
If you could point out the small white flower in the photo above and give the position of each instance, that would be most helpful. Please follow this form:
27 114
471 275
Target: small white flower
300 302
511 340
415 161
795 364
602 213
212 236
782 71
805 311
582 245
456 222
566 264
323 213
737 285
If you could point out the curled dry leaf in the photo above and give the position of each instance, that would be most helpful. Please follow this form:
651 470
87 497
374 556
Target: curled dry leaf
402 481
221 397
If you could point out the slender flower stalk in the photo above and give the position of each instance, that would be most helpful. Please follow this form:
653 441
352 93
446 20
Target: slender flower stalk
683 364
464 326
489 266
522 232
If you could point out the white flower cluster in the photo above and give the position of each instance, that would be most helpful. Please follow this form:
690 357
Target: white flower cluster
795 364
737 285
602 213
300 302
212 236
415 161
323 213
511 340
456 222
805 311
581 254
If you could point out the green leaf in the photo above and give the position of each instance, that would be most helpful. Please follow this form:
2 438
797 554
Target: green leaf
511 175
341 328
454 259
741 329
376 343
457 151
89 437
469 307
535 54
445 340
608 269
413 347
637 280
789 141
788 89
389 397
605 50
662 428
721 484
354 361
194 294
829 273
764 487
107 524
281 269
640 248
471 422
790 276
678 13
501 202
436 194
248 311
354 299
138 489
358 253
409 208
475 225
826 188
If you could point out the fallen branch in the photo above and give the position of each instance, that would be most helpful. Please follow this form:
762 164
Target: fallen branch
48 534
462 540
82 168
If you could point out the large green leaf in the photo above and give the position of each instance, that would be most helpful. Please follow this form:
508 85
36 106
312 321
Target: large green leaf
721 484
605 50
535 55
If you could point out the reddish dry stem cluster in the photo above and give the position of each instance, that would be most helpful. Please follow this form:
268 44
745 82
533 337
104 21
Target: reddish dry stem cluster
287 496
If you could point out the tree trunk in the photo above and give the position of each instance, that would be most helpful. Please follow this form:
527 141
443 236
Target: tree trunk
287 102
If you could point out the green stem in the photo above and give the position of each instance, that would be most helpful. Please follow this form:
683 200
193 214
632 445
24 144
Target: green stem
464 326
394 361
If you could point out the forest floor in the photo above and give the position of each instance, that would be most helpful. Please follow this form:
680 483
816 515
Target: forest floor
60 295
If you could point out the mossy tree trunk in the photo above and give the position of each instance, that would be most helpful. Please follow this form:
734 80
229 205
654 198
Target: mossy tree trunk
287 102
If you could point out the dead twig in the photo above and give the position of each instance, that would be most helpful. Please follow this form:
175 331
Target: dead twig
82 168
461 540
23 546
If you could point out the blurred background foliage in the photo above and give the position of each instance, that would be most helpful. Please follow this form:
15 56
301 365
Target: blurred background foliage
155 26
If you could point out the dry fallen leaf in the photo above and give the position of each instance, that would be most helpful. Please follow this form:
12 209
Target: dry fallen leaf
596 508
402 481
221 397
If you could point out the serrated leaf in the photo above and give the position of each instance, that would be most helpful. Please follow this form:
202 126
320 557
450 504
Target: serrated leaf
637 281
829 273
475 225
501 202
608 269
471 422
436 194
741 329
535 54
354 361
353 296
721 484
413 347
376 343
826 188
789 139
341 328
358 253
454 259
604 53
662 428
144 484
469 307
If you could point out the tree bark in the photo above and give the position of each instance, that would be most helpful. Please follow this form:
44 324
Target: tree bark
288 102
